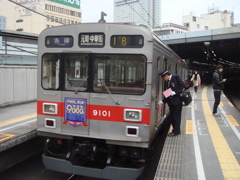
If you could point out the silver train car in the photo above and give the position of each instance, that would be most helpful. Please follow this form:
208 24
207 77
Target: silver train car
98 89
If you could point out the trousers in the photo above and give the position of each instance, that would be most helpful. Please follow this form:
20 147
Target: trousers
217 96
175 117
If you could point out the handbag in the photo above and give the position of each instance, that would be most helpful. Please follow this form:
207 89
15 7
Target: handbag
199 84
186 97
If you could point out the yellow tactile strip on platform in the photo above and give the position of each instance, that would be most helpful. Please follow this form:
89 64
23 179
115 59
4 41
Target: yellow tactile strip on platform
18 119
232 120
5 136
189 127
228 162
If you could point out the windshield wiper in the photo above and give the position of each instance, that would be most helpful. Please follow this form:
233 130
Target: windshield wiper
110 93
76 92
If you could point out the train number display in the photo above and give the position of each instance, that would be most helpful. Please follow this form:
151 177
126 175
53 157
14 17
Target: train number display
127 41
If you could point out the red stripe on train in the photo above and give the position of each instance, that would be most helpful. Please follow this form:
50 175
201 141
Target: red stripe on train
99 112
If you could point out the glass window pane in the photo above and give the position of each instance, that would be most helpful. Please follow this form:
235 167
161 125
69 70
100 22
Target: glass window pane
76 72
50 71
120 73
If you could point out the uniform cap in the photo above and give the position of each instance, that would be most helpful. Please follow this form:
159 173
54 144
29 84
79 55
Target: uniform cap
163 73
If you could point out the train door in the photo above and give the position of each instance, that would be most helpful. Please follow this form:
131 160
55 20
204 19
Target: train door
167 66
158 93
161 110
75 96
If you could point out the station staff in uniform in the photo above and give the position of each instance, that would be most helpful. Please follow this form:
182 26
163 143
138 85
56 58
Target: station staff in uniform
174 102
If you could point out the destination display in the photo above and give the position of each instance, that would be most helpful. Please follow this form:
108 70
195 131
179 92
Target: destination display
127 41
59 41
91 40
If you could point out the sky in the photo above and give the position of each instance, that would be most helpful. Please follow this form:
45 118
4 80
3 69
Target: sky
172 10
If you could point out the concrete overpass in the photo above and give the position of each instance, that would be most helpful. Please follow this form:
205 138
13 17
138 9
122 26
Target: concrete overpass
206 49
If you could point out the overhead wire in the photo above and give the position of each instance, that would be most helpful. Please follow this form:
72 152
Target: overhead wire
157 25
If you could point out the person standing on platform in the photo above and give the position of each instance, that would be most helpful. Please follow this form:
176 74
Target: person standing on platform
218 85
189 79
196 80
175 85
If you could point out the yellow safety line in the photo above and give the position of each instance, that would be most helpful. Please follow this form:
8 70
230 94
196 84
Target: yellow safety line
18 119
5 136
232 120
221 104
228 163
230 104
189 127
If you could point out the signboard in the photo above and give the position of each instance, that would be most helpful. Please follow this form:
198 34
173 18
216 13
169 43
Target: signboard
59 41
71 3
75 111
91 40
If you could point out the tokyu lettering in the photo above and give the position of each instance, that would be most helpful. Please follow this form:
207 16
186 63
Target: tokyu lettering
101 113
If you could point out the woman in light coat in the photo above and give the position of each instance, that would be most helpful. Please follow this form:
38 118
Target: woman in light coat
196 80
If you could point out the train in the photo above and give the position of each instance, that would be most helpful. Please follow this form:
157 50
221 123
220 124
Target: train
97 97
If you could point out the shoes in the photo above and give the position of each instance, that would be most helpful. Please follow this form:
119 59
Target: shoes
217 115
173 134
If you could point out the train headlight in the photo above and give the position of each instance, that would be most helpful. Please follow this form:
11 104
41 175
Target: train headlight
132 115
50 108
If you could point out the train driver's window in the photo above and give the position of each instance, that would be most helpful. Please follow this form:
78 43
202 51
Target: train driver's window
76 72
119 73
50 71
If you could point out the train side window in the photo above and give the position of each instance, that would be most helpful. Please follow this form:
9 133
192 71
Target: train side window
119 73
76 75
50 71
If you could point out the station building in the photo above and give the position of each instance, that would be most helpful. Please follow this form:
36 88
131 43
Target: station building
169 28
56 13
142 12
214 19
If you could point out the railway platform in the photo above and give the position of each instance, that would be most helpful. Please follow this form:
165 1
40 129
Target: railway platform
208 146
17 125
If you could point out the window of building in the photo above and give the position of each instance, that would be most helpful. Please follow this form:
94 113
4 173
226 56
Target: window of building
186 25
194 18
52 20
27 12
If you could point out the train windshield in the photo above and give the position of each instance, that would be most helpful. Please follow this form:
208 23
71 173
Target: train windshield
76 66
50 71
119 73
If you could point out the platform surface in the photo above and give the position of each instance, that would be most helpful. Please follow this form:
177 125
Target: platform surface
17 125
208 147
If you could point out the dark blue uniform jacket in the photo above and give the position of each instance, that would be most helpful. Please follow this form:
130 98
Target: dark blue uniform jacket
176 84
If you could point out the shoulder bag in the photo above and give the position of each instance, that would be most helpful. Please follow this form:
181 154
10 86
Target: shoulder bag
186 97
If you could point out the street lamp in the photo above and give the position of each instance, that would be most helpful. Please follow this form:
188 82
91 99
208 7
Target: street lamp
207 44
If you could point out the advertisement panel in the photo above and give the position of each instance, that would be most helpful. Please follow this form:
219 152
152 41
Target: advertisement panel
71 3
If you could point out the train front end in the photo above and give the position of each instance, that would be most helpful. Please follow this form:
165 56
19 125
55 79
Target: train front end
94 100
